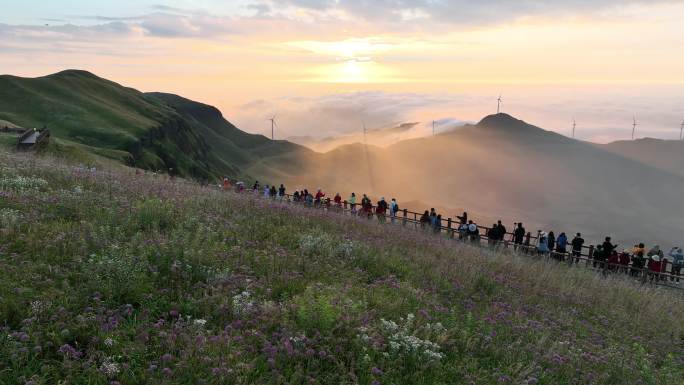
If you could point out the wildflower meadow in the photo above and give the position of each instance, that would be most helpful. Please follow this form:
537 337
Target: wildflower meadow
108 277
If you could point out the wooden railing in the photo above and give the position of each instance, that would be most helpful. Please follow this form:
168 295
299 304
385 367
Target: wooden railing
411 219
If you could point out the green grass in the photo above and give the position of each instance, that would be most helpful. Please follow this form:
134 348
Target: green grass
92 115
112 277
8 140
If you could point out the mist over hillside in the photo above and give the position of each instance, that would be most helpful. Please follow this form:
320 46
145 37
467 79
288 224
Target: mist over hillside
381 137
503 167
664 154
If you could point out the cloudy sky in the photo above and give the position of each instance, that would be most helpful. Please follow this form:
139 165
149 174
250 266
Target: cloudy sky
326 67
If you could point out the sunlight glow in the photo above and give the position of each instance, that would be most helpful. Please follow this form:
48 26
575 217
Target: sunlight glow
353 71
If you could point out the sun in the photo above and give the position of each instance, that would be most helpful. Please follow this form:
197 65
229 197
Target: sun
355 60
351 71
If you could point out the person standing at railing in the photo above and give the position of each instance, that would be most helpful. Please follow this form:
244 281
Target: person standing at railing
367 206
561 245
463 218
501 231
319 194
256 187
425 220
543 246
281 191
352 203
624 261
638 260
613 261
493 235
577 244
551 242
438 224
273 192
677 256
473 232
394 209
655 262
381 210
338 201
518 235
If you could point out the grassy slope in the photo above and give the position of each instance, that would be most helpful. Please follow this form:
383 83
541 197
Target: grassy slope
82 107
94 116
230 145
102 278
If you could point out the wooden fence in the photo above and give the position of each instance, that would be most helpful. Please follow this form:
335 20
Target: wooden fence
411 219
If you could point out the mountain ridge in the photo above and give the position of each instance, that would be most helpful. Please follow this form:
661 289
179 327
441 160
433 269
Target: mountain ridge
157 131
504 167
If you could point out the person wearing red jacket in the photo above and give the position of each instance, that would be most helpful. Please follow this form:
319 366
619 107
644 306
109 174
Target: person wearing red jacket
317 199
624 261
655 263
613 261
381 209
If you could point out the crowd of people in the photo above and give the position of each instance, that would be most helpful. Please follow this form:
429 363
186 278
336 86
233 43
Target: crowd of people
635 261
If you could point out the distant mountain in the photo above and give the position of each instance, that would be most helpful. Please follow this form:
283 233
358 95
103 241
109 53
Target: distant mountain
667 155
380 136
153 130
505 168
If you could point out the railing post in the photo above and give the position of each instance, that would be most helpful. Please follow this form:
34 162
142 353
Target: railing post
590 254
403 221
451 230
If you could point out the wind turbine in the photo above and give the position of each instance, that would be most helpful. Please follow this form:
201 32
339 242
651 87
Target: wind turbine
681 130
433 128
498 104
364 133
634 126
273 125
574 125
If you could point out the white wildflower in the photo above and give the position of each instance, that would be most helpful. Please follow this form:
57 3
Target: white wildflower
9 217
22 183
109 341
200 322
242 303
109 368
402 339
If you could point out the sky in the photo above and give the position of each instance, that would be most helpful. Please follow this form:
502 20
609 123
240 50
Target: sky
326 68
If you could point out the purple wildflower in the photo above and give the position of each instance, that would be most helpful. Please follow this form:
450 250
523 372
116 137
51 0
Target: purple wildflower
69 351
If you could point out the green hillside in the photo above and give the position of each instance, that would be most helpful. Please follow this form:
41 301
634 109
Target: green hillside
91 115
120 279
